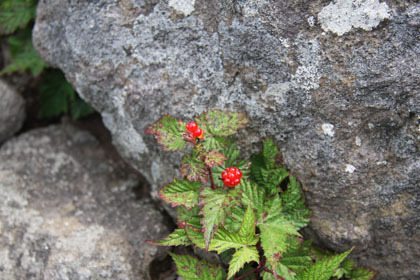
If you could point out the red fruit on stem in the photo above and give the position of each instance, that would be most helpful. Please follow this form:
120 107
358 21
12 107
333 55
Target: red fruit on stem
198 133
224 175
192 126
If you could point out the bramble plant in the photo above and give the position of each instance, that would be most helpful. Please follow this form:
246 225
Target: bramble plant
248 212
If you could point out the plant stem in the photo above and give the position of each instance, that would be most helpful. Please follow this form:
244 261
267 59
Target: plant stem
246 274
213 187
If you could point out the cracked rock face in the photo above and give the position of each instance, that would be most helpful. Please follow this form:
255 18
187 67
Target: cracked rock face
67 212
343 104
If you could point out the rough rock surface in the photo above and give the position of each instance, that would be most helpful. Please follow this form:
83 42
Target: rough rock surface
12 111
67 212
336 84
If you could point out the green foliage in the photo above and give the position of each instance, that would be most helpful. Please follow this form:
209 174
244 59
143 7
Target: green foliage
323 269
58 97
293 202
168 132
192 268
264 169
194 169
179 192
16 14
176 238
24 57
254 227
56 94
216 205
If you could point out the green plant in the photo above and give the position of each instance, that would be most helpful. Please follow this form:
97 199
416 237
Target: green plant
253 226
56 95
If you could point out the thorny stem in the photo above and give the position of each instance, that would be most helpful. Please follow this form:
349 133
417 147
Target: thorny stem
213 187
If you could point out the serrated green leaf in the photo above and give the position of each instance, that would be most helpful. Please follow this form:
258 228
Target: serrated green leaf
181 192
231 152
240 258
247 229
196 237
214 143
270 151
318 254
216 204
191 268
266 174
348 266
221 123
274 232
16 14
362 274
214 158
176 238
297 256
168 132
284 272
233 222
189 216
293 202
27 60
193 169
224 240
252 195
323 269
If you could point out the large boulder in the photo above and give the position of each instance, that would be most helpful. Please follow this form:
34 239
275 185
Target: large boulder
335 84
69 212
12 111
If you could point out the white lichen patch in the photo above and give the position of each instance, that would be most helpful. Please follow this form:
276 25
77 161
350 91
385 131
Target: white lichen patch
358 141
342 15
307 75
350 168
182 6
311 21
328 129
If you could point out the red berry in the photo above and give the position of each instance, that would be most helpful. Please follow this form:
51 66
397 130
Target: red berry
198 133
231 176
192 126
232 169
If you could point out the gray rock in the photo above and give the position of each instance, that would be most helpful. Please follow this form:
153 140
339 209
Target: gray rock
68 212
343 102
12 111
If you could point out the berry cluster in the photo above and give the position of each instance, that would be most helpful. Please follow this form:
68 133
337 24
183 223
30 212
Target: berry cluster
231 176
194 131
